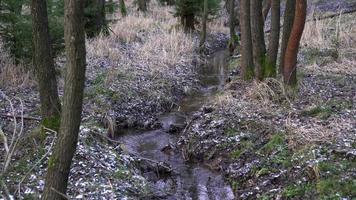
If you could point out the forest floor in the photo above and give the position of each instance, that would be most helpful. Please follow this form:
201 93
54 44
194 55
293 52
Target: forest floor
134 75
268 143
275 144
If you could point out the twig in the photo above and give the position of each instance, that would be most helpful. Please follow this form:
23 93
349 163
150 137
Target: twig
324 17
7 195
38 162
60 193
24 117
105 137
187 127
153 161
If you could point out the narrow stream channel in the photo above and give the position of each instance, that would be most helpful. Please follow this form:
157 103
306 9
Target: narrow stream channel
187 180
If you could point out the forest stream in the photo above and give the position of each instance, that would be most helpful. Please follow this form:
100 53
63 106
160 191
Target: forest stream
186 180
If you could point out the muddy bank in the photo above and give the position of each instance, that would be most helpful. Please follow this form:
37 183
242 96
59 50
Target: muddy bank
162 161
133 97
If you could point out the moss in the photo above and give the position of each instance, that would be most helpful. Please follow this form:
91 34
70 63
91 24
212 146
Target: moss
30 197
234 185
122 173
276 143
52 123
331 186
264 197
243 147
52 162
325 110
270 69
230 132
295 191
250 74
318 111
263 171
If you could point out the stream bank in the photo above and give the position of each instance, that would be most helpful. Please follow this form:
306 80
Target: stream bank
162 161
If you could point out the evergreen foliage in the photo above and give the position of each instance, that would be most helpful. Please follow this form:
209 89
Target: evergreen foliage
16 26
190 9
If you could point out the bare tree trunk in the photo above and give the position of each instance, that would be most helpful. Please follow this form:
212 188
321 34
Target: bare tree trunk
60 161
287 27
205 19
290 60
44 64
258 41
95 14
246 41
232 42
123 9
266 8
273 39
188 22
142 5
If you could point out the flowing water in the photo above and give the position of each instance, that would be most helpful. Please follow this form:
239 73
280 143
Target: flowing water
187 180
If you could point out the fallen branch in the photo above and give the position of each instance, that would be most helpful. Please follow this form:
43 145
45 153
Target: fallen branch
23 117
38 162
324 17
157 163
105 137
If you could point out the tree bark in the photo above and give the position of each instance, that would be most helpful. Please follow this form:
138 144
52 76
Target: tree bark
287 27
95 14
246 41
273 39
188 22
204 22
290 60
232 42
43 62
266 8
142 5
123 9
258 41
60 161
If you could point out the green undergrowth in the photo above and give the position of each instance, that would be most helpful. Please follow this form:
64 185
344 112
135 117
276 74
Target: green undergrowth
325 110
311 171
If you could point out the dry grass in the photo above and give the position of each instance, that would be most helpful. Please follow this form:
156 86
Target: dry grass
269 91
167 48
150 39
336 34
11 74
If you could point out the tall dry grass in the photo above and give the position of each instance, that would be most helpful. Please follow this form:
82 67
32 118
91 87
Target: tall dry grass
152 39
12 74
336 34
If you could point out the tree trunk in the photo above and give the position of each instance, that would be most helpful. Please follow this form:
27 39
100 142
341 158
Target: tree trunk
290 60
232 42
44 64
142 5
95 14
188 22
258 41
123 9
287 27
205 19
246 41
266 8
60 161
273 39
